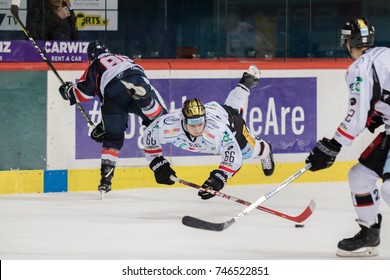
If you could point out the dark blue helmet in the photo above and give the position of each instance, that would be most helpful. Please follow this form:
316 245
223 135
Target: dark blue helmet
95 49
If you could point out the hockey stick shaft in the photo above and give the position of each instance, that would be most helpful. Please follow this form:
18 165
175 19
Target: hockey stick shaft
201 224
298 219
272 192
15 14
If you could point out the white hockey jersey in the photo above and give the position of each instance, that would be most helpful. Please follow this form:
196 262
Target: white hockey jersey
364 101
216 138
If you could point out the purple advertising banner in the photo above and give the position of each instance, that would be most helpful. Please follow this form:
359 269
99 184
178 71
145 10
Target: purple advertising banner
281 110
55 51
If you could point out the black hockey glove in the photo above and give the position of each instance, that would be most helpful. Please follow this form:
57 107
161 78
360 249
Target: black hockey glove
98 133
65 89
162 170
216 182
323 154
375 122
249 80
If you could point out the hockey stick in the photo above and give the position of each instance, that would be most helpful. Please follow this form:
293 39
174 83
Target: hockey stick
298 219
201 224
15 13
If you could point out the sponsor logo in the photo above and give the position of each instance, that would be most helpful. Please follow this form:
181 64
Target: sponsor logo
187 145
171 120
220 177
227 164
171 131
363 29
227 137
194 145
207 134
2 16
355 86
343 126
66 47
159 164
212 106
85 2
182 145
5 47
212 124
83 20
247 153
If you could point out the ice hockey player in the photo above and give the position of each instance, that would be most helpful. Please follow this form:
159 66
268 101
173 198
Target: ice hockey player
368 80
123 88
210 128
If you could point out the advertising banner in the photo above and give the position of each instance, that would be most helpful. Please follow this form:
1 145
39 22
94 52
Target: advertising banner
55 51
94 5
281 110
91 15
7 21
99 20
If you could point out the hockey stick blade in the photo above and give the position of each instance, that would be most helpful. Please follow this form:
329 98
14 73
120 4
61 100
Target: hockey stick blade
297 219
201 224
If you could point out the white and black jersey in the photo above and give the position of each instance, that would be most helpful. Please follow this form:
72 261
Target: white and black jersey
219 137
216 138
368 80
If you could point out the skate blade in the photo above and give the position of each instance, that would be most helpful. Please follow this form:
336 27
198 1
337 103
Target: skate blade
102 193
362 252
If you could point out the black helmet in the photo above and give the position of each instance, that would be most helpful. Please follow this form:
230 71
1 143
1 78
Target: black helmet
193 111
359 33
95 49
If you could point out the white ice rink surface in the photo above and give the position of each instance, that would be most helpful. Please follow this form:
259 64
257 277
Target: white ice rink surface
145 224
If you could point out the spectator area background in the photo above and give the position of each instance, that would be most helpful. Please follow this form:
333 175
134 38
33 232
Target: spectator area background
204 28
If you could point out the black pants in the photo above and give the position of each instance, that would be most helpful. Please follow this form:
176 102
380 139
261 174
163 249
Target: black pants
374 156
116 106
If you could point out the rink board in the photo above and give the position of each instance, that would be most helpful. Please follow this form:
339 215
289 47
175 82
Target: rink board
38 181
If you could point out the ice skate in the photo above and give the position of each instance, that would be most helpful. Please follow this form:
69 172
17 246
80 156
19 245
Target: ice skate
250 78
107 172
104 188
268 163
364 243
